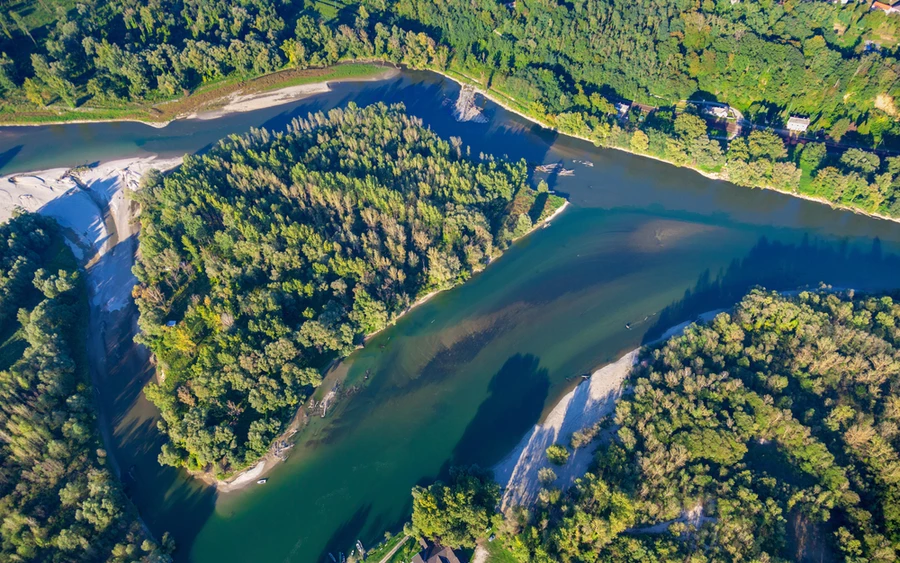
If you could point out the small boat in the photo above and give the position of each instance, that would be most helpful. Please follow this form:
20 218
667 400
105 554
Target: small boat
359 546
332 557
628 326
261 481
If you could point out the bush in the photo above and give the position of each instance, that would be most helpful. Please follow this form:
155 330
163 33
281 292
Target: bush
585 436
546 475
557 454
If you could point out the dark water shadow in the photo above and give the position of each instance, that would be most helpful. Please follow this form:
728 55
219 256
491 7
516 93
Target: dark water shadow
443 365
8 155
516 396
345 537
781 266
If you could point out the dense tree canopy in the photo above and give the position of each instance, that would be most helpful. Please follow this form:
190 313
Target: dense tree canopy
768 59
274 253
456 514
772 433
58 500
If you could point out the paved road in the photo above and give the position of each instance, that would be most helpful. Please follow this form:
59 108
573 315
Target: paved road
391 553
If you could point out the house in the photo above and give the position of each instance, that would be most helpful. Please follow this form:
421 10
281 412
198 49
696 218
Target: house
170 324
886 8
719 112
437 554
798 124
622 109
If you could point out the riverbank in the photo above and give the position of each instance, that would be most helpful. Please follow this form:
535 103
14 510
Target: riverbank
509 104
592 401
96 217
230 95
506 102
89 202
425 298
224 97
252 474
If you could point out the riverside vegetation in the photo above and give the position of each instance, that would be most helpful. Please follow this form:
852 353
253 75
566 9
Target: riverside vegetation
769 434
59 501
831 62
277 252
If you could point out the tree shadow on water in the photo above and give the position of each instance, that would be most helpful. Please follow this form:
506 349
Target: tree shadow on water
8 155
444 364
344 538
516 398
780 266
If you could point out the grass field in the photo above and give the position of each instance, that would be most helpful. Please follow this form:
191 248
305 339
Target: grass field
377 552
498 554
37 13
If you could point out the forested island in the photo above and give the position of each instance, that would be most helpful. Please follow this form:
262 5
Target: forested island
59 500
768 434
275 253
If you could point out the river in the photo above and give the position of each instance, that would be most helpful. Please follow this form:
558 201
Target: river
460 379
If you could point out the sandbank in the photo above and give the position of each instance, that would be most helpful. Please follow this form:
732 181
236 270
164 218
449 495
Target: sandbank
590 402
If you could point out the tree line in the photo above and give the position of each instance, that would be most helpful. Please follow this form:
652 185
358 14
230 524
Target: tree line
276 252
772 433
830 62
59 501
833 63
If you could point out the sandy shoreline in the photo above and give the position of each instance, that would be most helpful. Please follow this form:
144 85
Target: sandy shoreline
588 403
89 203
582 407
97 221
239 102
236 102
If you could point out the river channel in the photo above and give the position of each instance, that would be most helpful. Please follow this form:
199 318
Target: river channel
460 379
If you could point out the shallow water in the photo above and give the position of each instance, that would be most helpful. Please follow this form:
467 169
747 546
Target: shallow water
461 378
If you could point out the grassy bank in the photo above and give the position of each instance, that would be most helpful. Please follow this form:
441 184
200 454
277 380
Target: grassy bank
210 96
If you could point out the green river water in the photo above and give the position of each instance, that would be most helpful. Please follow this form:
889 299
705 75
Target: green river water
460 379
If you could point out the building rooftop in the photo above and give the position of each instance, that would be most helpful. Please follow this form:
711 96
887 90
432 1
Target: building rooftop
437 554
797 123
